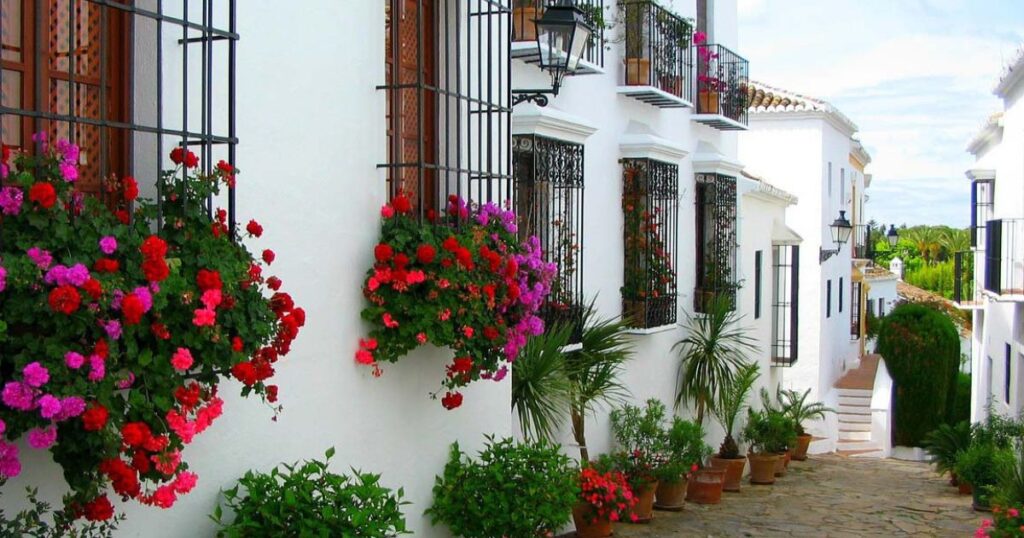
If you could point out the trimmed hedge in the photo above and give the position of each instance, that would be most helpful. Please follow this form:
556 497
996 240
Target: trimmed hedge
922 353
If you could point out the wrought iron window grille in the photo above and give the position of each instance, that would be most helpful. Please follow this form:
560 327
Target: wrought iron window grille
449 102
650 204
785 304
548 195
981 210
964 286
722 82
1004 257
856 288
716 225
83 56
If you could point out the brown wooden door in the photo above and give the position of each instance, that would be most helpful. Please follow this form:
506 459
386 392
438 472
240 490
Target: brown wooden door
79 67
412 75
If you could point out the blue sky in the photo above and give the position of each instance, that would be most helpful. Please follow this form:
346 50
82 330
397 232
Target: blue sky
915 75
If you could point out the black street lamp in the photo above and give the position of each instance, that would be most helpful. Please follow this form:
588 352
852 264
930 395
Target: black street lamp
893 236
841 230
562 37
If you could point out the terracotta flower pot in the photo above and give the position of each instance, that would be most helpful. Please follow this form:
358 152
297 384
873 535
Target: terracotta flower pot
638 71
708 102
953 481
780 464
705 486
979 501
789 457
803 442
523 22
733 471
670 496
644 509
586 526
964 488
673 85
762 468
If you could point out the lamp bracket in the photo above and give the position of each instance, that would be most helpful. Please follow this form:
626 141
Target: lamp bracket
537 96
824 254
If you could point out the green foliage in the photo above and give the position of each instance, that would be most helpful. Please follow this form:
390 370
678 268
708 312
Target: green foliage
685 447
937 278
513 490
308 500
794 405
38 521
981 466
730 402
710 355
962 407
921 348
594 370
945 444
1009 489
997 430
927 253
640 430
648 448
540 384
769 431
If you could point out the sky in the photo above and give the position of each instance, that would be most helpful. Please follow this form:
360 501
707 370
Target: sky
915 75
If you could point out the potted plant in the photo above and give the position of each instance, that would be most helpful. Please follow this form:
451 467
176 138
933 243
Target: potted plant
604 498
730 402
774 409
675 35
768 433
683 451
634 16
794 405
640 435
980 466
524 16
472 497
709 81
540 383
945 444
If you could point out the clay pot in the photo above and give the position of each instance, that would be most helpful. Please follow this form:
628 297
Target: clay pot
638 72
780 464
708 102
803 442
671 496
733 471
953 481
964 488
980 501
762 468
673 85
789 457
586 527
525 29
644 509
705 486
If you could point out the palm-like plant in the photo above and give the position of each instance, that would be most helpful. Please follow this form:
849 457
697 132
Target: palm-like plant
540 384
593 371
1009 491
946 443
710 355
731 401
795 406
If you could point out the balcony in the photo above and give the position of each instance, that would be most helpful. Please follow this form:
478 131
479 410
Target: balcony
863 246
966 295
658 57
722 77
524 33
1004 259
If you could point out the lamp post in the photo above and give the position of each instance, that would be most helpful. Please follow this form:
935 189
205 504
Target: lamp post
893 236
841 230
562 37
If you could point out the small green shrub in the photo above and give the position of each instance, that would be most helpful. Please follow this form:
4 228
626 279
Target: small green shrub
640 430
962 407
308 500
921 348
769 431
684 448
512 489
1009 489
946 443
981 466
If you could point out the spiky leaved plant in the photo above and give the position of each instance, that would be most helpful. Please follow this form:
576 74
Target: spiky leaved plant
945 444
731 401
540 384
794 404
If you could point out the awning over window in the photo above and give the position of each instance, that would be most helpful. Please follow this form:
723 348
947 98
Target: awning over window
784 235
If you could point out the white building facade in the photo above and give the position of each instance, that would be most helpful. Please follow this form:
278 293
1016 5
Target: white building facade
995 295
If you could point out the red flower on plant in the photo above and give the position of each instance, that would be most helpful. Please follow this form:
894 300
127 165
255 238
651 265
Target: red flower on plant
401 204
99 509
208 280
254 228
451 400
382 252
94 418
65 299
274 283
268 256
135 434
245 372
43 194
156 270
132 308
425 253
153 247
106 265
130 189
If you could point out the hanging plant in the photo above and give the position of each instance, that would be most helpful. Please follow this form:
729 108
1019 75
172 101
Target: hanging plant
464 280
114 337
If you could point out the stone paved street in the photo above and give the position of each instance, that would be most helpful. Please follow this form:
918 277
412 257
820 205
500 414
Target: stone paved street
828 496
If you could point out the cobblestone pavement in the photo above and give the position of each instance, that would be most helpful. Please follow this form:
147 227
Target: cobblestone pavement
828 496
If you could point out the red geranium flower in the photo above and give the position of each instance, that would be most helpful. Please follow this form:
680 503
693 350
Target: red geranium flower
245 372
93 288
122 216
383 252
208 280
43 194
271 393
135 434
236 344
156 270
131 189
268 256
451 400
177 155
132 308
94 418
254 228
425 253
274 283
401 204
65 299
106 265
99 509
153 247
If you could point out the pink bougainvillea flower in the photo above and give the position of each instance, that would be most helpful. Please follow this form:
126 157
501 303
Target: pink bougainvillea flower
35 374
108 244
41 438
11 199
389 321
49 406
3 278
40 257
18 395
97 368
185 482
74 360
10 465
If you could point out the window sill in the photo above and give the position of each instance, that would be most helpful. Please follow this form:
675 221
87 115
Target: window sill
651 330
572 347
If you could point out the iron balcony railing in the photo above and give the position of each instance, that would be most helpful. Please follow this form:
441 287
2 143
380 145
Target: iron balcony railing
722 77
657 48
526 12
966 293
1004 258
863 246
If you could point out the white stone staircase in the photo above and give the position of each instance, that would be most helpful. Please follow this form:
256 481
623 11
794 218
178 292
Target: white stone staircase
854 412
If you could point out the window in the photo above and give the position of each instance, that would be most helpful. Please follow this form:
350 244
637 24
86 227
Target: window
650 205
785 303
881 307
855 310
981 210
548 195
828 299
757 284
841 292
524 28
448 101
830 182
842 187
1006 375
716 240
69 70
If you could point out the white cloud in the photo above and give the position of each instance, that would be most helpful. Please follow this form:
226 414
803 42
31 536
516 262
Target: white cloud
751 8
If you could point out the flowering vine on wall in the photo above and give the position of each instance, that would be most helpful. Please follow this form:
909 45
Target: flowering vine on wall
463 281
114 337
